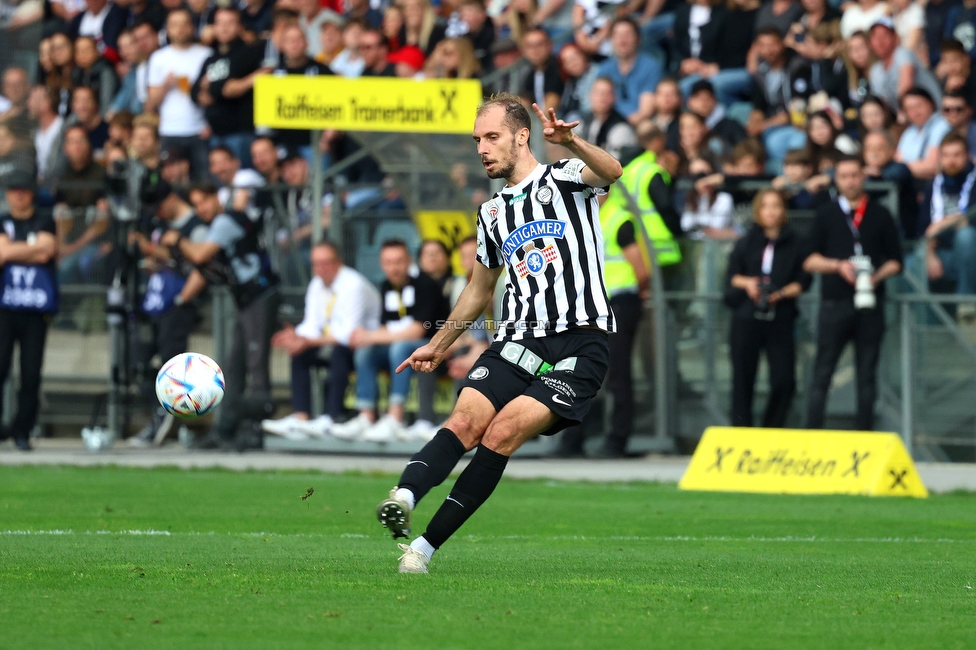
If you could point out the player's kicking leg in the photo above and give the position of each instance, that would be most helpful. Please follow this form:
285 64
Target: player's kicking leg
520 420
431 465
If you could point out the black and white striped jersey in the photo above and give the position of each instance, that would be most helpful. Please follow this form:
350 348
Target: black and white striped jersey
547 230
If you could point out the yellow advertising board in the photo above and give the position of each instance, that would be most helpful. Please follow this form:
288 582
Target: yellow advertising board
790 461
366 104
448 226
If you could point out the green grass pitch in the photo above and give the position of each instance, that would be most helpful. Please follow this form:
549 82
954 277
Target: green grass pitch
238 560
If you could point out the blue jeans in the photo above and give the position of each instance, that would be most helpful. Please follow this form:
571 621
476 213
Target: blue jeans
730 85
654 32
239 143
370 360
959 262
778 140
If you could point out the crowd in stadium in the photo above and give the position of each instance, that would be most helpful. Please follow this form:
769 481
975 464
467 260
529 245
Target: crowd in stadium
729 92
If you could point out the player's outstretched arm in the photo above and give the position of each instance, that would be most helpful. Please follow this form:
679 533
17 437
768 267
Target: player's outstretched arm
601 170
470 305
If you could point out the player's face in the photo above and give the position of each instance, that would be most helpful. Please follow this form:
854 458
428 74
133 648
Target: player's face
497 145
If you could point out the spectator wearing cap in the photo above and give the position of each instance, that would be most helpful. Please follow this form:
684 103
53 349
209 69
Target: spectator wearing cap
860 16
635 74
897 68
330 40
228 117
81 211
174 167
29 298
880 165
407 61
85 113
772 95
919 144
727 71
233 183
103 21
542 84
945 222
172 72
372 47
958 112
603 125
42 105
702 100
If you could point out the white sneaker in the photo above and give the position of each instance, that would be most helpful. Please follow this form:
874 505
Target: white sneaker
319 427
386 429
412 560
351 430
422 430
289 427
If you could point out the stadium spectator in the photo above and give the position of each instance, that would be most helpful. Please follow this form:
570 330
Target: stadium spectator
919 144
936 23
407 62
13 112
126 98
295 238
409 308
772 93
897 69
603 125
234 254
780 14
392 23
233 182
453 58
707 213
858 59
667 108
703 101
954 72
339 300
421 26
374 50
945 222
556 15
256 18
146 11
102 20
81 211
174 167
42 105
635 74
230 121
295 61
15 155
860 16
695 141
880 165
826 143
875 114
311 17
958 112
349 62
27 240
851 225
85 113
172 72
728 71
479 30
93 71
824 75
542 84
815 13
909 19
361 10
961 24
591 25
794 183
330 41
578 74
264 157
764 278
697 28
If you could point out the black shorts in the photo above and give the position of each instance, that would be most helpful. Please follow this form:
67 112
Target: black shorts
579 359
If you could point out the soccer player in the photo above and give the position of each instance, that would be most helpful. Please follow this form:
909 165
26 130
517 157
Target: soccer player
550 355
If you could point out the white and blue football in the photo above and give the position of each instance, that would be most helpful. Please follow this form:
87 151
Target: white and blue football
190 385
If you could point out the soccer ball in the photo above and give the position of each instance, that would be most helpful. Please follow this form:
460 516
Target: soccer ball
190 385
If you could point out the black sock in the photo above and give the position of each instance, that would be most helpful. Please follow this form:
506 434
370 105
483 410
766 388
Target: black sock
473 487
432 464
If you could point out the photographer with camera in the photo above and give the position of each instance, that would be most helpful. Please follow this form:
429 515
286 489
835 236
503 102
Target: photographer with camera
765 277
233 254
854 243
28 252
169 300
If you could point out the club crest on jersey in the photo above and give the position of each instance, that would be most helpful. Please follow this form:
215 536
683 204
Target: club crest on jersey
536 260
544 195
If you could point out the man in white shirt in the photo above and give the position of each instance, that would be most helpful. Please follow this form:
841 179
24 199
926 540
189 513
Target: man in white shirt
171 74
339 301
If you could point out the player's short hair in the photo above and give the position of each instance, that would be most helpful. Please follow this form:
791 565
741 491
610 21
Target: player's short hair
954 138
516 115
207 188
797 157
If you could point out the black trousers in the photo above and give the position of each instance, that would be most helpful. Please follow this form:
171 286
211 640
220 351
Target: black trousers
620 378
839 323
339 363
29 330
247 367
749 337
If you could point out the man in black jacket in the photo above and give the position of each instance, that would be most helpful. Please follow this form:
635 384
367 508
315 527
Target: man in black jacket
603 125
945 221
228 116
845 232
702 100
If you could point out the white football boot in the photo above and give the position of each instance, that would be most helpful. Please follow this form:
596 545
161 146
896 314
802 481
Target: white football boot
412 560
394 514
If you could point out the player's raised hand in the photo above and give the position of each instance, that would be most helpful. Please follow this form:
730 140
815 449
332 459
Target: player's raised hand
555 130
425 359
